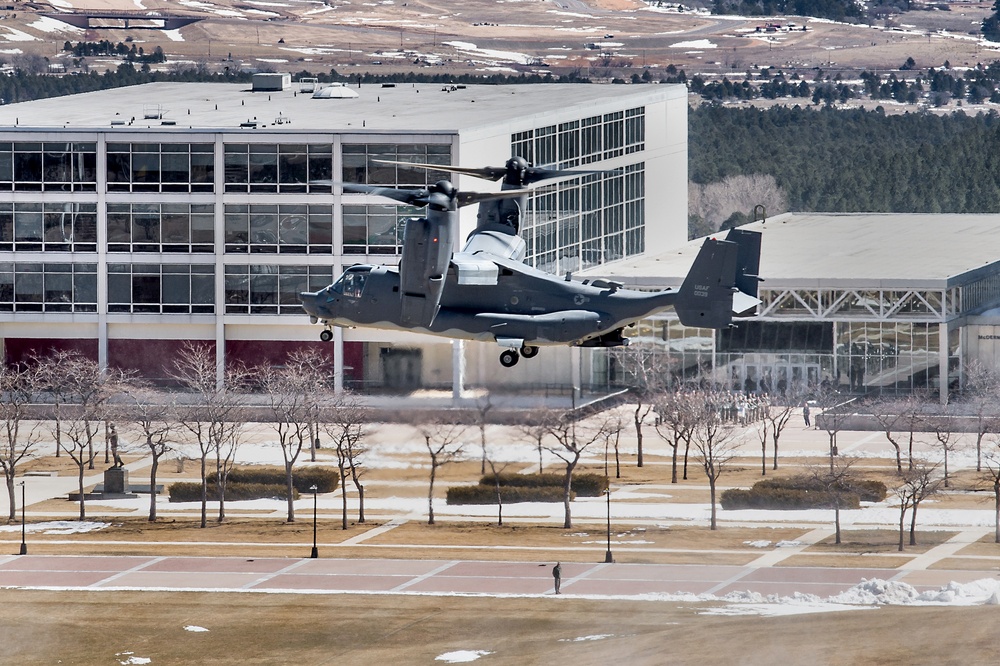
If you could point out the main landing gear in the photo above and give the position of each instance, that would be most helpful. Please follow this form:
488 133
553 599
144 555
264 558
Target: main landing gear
510 357
326 335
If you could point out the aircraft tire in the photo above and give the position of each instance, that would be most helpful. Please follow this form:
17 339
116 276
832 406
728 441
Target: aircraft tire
326 336
509 358
529 351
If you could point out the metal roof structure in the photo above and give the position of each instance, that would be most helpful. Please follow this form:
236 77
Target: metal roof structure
403 107
854 250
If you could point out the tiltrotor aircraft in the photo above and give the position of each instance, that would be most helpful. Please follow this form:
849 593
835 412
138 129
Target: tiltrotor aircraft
485 292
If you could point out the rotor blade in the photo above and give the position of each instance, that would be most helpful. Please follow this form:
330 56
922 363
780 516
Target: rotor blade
467 198
533 175
486 173
407 196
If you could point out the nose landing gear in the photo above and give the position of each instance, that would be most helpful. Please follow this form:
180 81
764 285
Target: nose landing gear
326 335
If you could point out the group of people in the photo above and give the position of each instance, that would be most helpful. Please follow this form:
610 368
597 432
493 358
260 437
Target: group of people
743 408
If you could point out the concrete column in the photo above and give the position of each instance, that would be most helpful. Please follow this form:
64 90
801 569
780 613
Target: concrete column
338 360
943 363
457 369
575 356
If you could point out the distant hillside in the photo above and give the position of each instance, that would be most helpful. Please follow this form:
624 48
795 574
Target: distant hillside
837 10
853 160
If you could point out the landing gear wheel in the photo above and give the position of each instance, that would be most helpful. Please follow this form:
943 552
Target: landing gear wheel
326 335
529 351
509 358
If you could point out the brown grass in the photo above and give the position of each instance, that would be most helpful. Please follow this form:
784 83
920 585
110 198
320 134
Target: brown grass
84 628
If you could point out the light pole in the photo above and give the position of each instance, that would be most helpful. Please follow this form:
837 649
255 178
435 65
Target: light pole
608 559
315 492
24 544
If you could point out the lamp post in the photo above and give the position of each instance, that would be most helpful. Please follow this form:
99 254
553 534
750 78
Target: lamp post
24 544
608 559
315 492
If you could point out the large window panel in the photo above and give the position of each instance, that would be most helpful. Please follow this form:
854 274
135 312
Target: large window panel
161 167
279 228
49 166
271 289
161 227
285 168
161 288
366 163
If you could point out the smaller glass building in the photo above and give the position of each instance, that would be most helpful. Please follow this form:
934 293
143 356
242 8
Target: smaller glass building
861 302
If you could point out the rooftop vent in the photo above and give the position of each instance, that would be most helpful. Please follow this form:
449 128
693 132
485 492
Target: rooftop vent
308 85
152 111
271 81
335 91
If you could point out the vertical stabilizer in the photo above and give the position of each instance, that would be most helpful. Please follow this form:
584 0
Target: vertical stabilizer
705 299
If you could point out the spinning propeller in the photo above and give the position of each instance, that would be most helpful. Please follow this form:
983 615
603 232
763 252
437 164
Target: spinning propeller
517 172
441 196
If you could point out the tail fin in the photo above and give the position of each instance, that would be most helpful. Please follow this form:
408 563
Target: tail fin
747 268
706 297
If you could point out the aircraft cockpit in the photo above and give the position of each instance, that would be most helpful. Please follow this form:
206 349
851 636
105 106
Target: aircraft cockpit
352 282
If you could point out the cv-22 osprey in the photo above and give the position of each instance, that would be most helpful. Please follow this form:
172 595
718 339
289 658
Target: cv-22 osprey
486 292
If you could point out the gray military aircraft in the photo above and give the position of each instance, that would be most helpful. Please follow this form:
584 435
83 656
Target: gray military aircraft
485 292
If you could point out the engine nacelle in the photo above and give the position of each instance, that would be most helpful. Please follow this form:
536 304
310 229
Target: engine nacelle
427 246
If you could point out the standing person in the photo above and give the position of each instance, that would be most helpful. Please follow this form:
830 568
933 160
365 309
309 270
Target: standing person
557 575
113 441
805 413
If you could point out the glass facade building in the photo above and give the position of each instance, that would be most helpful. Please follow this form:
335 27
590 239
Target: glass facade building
122 238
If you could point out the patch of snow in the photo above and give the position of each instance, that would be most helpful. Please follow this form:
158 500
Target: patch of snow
195 628
760 543
461 656
46 24
17 36
58 527
173 35
695 44
130 658
592 637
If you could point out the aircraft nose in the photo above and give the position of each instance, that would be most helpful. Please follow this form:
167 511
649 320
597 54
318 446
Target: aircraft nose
310 302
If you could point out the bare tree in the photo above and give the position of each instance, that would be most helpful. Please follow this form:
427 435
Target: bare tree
90 391
571 440
992 460
18 386
834 415
944 434
715 442
776 417
50 377
981 398
344 422
836 482
483 407
216 420
497 469
294 393
675 420
612 429
152 414
444 446
648 372
900 420
918 483
536 427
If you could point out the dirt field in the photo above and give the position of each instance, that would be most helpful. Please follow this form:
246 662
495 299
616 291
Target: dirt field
129 628
598 38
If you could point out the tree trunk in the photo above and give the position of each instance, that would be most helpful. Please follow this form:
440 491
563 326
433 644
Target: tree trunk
979 451
12 515
496 480
673 464
946 467
638 436
913 525
567 487
290 488
152 487
996 508
618 463
343 498
430 493
361 502
711 492
540 465
204 492
836 523
902 525
83 510
774 462
899 458
687 448
763 458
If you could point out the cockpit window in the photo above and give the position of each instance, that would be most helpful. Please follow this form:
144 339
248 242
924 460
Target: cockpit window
352 283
